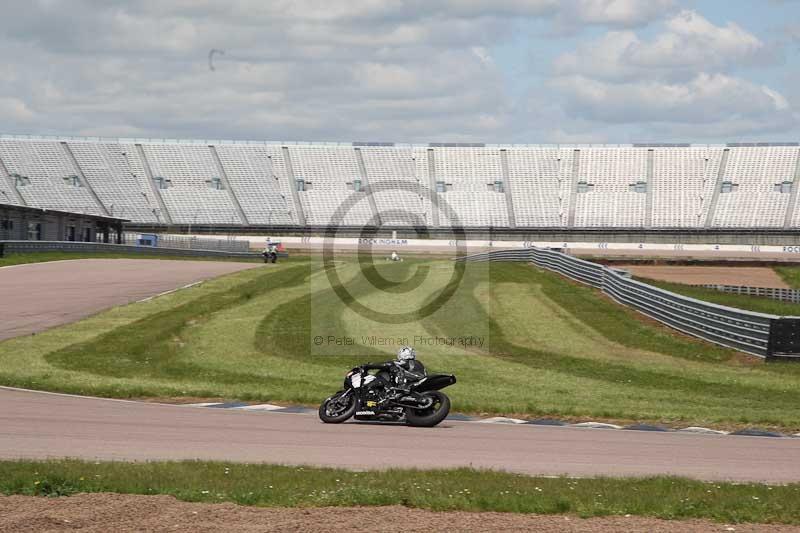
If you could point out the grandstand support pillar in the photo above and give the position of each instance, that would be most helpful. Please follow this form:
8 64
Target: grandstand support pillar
712 208
787 221
227 184
362 168
84 179
648 201
298 206
432 185
512 219
153 189
573 192
11 186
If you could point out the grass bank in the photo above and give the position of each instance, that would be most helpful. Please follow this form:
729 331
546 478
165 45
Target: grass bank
790 274
547 347
438 490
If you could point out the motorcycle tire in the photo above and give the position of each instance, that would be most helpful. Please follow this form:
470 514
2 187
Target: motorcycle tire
427 418
339 418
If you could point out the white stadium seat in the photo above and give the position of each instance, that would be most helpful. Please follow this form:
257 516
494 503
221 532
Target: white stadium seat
475 186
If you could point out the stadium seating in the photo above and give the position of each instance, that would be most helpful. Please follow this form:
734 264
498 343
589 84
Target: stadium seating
540 181
329 194
683 182
261 189
45 176
755 171
190 184
402 196
469 176
436 185
607 199
106 166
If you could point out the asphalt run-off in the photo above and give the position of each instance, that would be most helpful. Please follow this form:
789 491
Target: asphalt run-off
43 295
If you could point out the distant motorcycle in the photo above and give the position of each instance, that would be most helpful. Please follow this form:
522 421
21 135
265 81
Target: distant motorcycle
386 396
270 256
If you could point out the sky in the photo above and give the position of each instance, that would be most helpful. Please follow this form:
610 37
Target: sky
497 71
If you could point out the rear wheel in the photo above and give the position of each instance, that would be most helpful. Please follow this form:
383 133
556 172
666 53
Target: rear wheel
432 415
337 408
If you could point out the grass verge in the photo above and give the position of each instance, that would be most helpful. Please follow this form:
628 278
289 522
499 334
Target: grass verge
438 490
790 274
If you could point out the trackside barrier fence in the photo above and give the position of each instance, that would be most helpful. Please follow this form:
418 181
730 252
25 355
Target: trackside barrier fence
18 247
191 242
783 295
521 255
768 336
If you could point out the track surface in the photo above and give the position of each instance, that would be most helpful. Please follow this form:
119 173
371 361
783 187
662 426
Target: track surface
42 295
41 425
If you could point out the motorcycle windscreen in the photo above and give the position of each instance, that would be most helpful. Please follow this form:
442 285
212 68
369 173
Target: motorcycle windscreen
435 382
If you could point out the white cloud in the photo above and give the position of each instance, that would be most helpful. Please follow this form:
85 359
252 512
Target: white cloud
625 13
601 58
15 110
693 41
678 82
688 44
706 99
404 70
483 55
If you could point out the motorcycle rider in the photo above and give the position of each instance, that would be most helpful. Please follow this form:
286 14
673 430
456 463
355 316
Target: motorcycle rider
402 370
270 253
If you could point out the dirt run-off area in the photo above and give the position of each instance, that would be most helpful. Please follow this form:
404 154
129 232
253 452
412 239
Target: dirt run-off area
128 513
709 275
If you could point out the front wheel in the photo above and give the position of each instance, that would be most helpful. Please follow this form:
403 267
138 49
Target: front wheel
338 408
432 415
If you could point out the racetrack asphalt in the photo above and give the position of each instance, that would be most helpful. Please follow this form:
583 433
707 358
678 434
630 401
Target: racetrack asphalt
39 425
38 296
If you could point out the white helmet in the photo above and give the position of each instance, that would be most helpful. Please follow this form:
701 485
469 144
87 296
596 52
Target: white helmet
406 353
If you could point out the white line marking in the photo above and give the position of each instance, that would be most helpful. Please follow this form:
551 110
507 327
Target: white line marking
169 292
67 395
44 262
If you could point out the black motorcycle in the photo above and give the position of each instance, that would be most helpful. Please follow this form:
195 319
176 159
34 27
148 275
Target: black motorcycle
378 397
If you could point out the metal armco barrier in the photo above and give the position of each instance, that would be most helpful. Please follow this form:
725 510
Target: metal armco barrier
11 247
521 255
769 336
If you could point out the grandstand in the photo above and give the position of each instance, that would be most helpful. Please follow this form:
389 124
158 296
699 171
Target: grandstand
439 185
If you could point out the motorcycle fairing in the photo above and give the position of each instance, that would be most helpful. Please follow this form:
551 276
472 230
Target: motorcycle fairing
434 382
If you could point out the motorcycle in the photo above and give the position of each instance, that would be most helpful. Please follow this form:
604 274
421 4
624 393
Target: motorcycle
270 256
376 397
